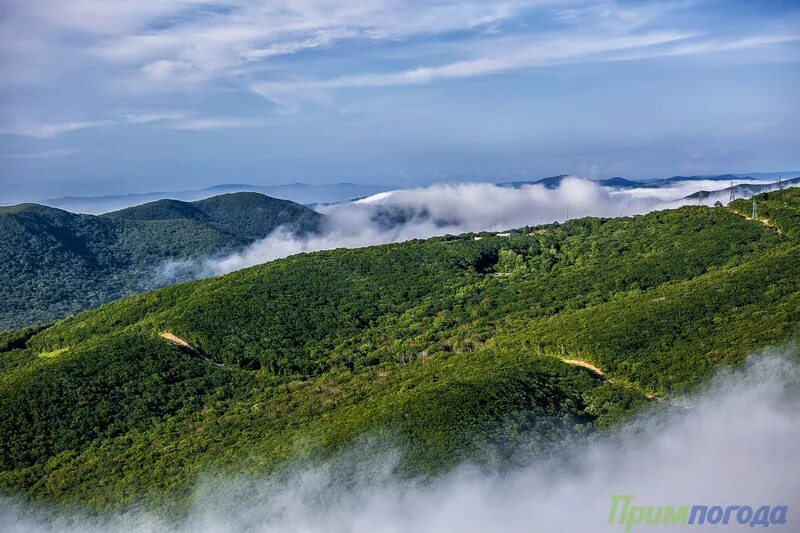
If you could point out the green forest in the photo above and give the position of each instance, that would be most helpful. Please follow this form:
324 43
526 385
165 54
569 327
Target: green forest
54 263
449 349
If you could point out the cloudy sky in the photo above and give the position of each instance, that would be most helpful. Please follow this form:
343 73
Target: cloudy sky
110 96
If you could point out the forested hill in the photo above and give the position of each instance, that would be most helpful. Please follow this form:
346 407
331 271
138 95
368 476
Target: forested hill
446 348
53 263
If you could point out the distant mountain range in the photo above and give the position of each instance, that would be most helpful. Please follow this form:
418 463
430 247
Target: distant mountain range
746 189
554 182
302 193
319 195
53 263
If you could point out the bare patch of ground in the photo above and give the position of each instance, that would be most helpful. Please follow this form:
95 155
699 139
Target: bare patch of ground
177 341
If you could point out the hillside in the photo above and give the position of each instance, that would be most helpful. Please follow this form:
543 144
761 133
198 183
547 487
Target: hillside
53 263
444 348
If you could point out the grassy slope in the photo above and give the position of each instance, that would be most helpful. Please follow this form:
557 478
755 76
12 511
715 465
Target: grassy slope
53 263
443 346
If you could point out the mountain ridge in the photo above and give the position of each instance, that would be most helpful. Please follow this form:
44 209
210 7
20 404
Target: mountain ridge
302 193
747 189
55 262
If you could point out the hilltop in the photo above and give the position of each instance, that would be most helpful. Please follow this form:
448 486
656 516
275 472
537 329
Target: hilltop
302 193
53 263
445 348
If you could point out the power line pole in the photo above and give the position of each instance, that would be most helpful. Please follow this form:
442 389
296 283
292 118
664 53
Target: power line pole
755 209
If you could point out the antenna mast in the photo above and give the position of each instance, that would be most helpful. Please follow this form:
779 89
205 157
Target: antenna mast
755 209
733 192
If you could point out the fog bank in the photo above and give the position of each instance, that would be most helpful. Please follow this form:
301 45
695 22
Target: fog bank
446 209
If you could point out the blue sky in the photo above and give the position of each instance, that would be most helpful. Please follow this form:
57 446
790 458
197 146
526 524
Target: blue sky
101 97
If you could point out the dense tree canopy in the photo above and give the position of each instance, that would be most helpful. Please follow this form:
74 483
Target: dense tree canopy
53 263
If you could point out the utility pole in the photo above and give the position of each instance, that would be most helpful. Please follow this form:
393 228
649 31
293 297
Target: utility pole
755 209
780 187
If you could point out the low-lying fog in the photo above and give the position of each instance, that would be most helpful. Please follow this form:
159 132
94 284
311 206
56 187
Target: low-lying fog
447 209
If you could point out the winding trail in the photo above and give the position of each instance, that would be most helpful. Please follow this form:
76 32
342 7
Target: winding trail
177 341
585 364
589 366
767 222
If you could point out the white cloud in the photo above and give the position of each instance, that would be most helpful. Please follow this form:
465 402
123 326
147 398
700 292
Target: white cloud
317 40
511 55
43 154
214 43
166 70
153 116
46 131
615 16
712 46
176 120
503 55
190 45
199 124
446 209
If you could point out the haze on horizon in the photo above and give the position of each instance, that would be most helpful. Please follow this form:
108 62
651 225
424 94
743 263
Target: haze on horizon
103 97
